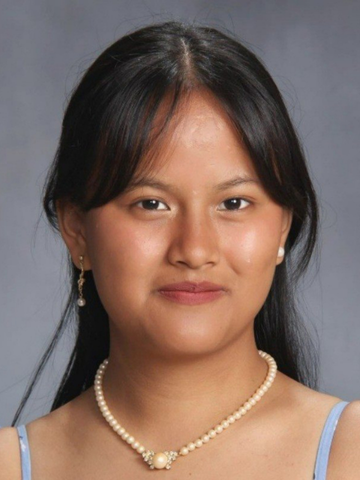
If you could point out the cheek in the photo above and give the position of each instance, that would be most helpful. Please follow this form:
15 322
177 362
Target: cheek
123 256
255 249
252 254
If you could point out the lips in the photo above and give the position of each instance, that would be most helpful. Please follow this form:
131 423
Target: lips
192 287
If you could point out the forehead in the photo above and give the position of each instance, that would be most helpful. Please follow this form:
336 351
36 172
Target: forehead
200 138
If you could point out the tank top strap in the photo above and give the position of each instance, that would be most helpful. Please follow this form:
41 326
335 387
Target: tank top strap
322 457
24 452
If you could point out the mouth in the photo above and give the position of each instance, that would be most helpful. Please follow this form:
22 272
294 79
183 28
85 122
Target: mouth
192 298
192 287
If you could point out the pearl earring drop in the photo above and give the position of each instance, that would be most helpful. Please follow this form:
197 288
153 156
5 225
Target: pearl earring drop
281 252
81 300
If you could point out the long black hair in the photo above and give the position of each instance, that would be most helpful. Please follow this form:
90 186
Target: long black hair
108 128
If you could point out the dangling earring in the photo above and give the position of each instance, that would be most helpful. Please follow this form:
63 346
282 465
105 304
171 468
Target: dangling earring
281 252
81 300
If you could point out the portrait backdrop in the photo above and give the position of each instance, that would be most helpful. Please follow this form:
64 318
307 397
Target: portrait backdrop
312 51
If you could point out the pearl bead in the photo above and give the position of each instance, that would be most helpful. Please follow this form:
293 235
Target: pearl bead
205 438
218 429
81 302
184 451
140 449
212 433
198 443
191 446
135 445
159 460
130 439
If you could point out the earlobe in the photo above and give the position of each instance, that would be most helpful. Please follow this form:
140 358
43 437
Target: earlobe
71 225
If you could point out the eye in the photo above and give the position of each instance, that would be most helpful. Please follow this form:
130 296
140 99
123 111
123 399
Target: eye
233 203
152 202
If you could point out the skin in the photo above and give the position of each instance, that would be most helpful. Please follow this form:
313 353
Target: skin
185 366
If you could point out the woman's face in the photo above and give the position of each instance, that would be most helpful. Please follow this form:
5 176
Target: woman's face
191 231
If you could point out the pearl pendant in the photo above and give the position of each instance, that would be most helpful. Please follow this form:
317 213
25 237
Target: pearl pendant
159 460
81 302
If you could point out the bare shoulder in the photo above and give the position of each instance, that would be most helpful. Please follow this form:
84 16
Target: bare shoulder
302 399
45 431
53 439
10 463
344 461
41 433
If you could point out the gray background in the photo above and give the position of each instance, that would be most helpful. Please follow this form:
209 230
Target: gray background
312 50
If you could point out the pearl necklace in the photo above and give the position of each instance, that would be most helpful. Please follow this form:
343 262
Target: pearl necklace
164 459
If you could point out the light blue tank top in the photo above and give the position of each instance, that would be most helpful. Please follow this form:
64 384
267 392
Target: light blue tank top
322 456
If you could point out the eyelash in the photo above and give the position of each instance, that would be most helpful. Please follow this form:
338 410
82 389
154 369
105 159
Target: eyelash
155 210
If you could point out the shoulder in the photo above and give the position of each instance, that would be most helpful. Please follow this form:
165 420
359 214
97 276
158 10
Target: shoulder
344 461
303 399
10 462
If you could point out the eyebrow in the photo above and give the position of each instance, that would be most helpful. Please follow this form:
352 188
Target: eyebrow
149 182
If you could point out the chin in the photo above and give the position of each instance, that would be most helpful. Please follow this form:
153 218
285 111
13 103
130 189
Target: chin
187 338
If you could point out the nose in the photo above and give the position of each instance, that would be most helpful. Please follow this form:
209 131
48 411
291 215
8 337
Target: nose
194 241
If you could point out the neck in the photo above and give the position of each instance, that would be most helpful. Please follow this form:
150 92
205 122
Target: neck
168 403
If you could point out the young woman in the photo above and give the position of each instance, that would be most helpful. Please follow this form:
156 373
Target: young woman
183 197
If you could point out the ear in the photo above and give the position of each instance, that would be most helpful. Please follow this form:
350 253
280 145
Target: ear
287 216
72 227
